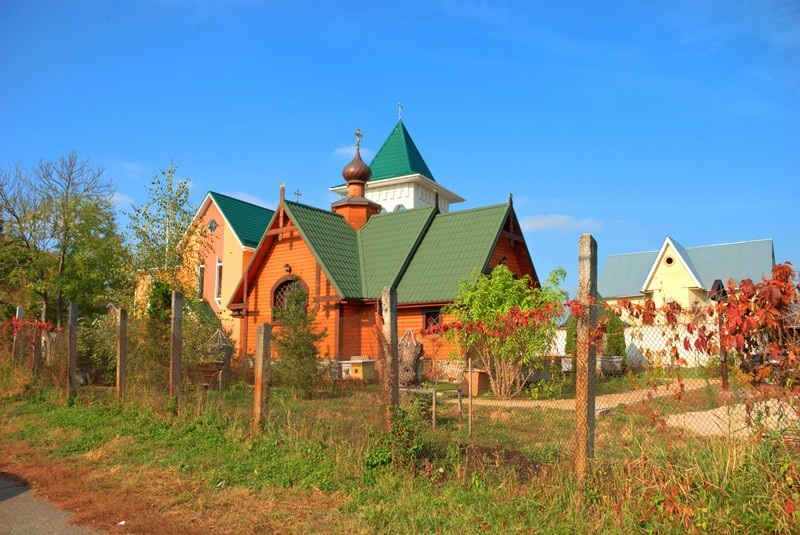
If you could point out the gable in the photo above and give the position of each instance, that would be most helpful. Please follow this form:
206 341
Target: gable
334 244
673 263
671 268
247 221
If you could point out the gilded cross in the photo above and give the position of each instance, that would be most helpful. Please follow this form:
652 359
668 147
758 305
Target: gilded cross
358 135
297 195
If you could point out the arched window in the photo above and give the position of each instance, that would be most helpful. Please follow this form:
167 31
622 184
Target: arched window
280 295
399 208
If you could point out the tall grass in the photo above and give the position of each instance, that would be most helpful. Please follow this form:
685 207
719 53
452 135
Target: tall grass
439 482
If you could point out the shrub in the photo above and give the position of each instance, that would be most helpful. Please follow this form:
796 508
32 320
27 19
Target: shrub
296 343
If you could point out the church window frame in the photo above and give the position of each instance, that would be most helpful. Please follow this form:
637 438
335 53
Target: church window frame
279 289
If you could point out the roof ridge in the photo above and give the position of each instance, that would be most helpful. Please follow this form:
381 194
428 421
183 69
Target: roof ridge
406 211
695 246
330 212
476 209
728 243
239 200
361 262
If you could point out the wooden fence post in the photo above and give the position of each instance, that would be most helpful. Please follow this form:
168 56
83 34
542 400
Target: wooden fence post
72 351
391 388
37 351
262 372
176 345
122 352
227 355
586 357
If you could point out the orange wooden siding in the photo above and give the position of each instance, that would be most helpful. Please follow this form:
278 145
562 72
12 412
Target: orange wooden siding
292 250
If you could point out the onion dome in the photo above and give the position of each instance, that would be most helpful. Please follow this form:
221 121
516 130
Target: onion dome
357 170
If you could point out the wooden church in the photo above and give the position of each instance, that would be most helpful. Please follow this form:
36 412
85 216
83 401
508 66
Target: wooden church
343 257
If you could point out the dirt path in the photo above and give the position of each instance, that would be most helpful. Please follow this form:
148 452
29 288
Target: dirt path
602 403
733 420
22 512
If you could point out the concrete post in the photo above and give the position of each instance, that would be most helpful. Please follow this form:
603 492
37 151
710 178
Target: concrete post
586 357
122 352
262 373
469 371
19 338
391 388
72 351
176 345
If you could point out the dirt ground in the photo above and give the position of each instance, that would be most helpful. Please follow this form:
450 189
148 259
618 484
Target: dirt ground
102 497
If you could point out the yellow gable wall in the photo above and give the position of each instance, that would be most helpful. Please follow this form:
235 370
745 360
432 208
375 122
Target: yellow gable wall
673 281
232 269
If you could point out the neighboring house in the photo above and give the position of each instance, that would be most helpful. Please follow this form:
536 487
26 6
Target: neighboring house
344 257
683 275
400 177
234 229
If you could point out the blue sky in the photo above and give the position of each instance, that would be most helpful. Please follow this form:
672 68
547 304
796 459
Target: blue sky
631 120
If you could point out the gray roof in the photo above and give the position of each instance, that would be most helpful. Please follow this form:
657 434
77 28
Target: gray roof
623 275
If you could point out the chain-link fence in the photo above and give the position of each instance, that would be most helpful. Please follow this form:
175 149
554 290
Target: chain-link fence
662 377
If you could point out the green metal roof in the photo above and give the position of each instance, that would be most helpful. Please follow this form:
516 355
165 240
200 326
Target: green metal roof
398 156
455 244
333 242
623 275
428 252
249 221
387 242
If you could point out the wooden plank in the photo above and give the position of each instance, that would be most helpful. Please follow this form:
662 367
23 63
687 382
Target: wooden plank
282 230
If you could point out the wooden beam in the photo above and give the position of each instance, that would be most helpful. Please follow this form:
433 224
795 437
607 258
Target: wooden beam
512 236
281 230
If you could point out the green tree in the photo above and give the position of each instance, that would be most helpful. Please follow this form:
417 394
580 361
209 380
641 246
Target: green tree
60 236
615 336
164 235
614 329
509 352
296 342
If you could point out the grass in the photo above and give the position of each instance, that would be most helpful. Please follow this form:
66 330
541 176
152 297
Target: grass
325 464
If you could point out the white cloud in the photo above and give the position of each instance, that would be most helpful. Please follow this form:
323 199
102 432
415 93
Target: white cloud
120 199
252 199
558 222
350 150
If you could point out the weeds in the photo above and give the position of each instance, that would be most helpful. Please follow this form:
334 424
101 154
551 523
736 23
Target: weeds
515 477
